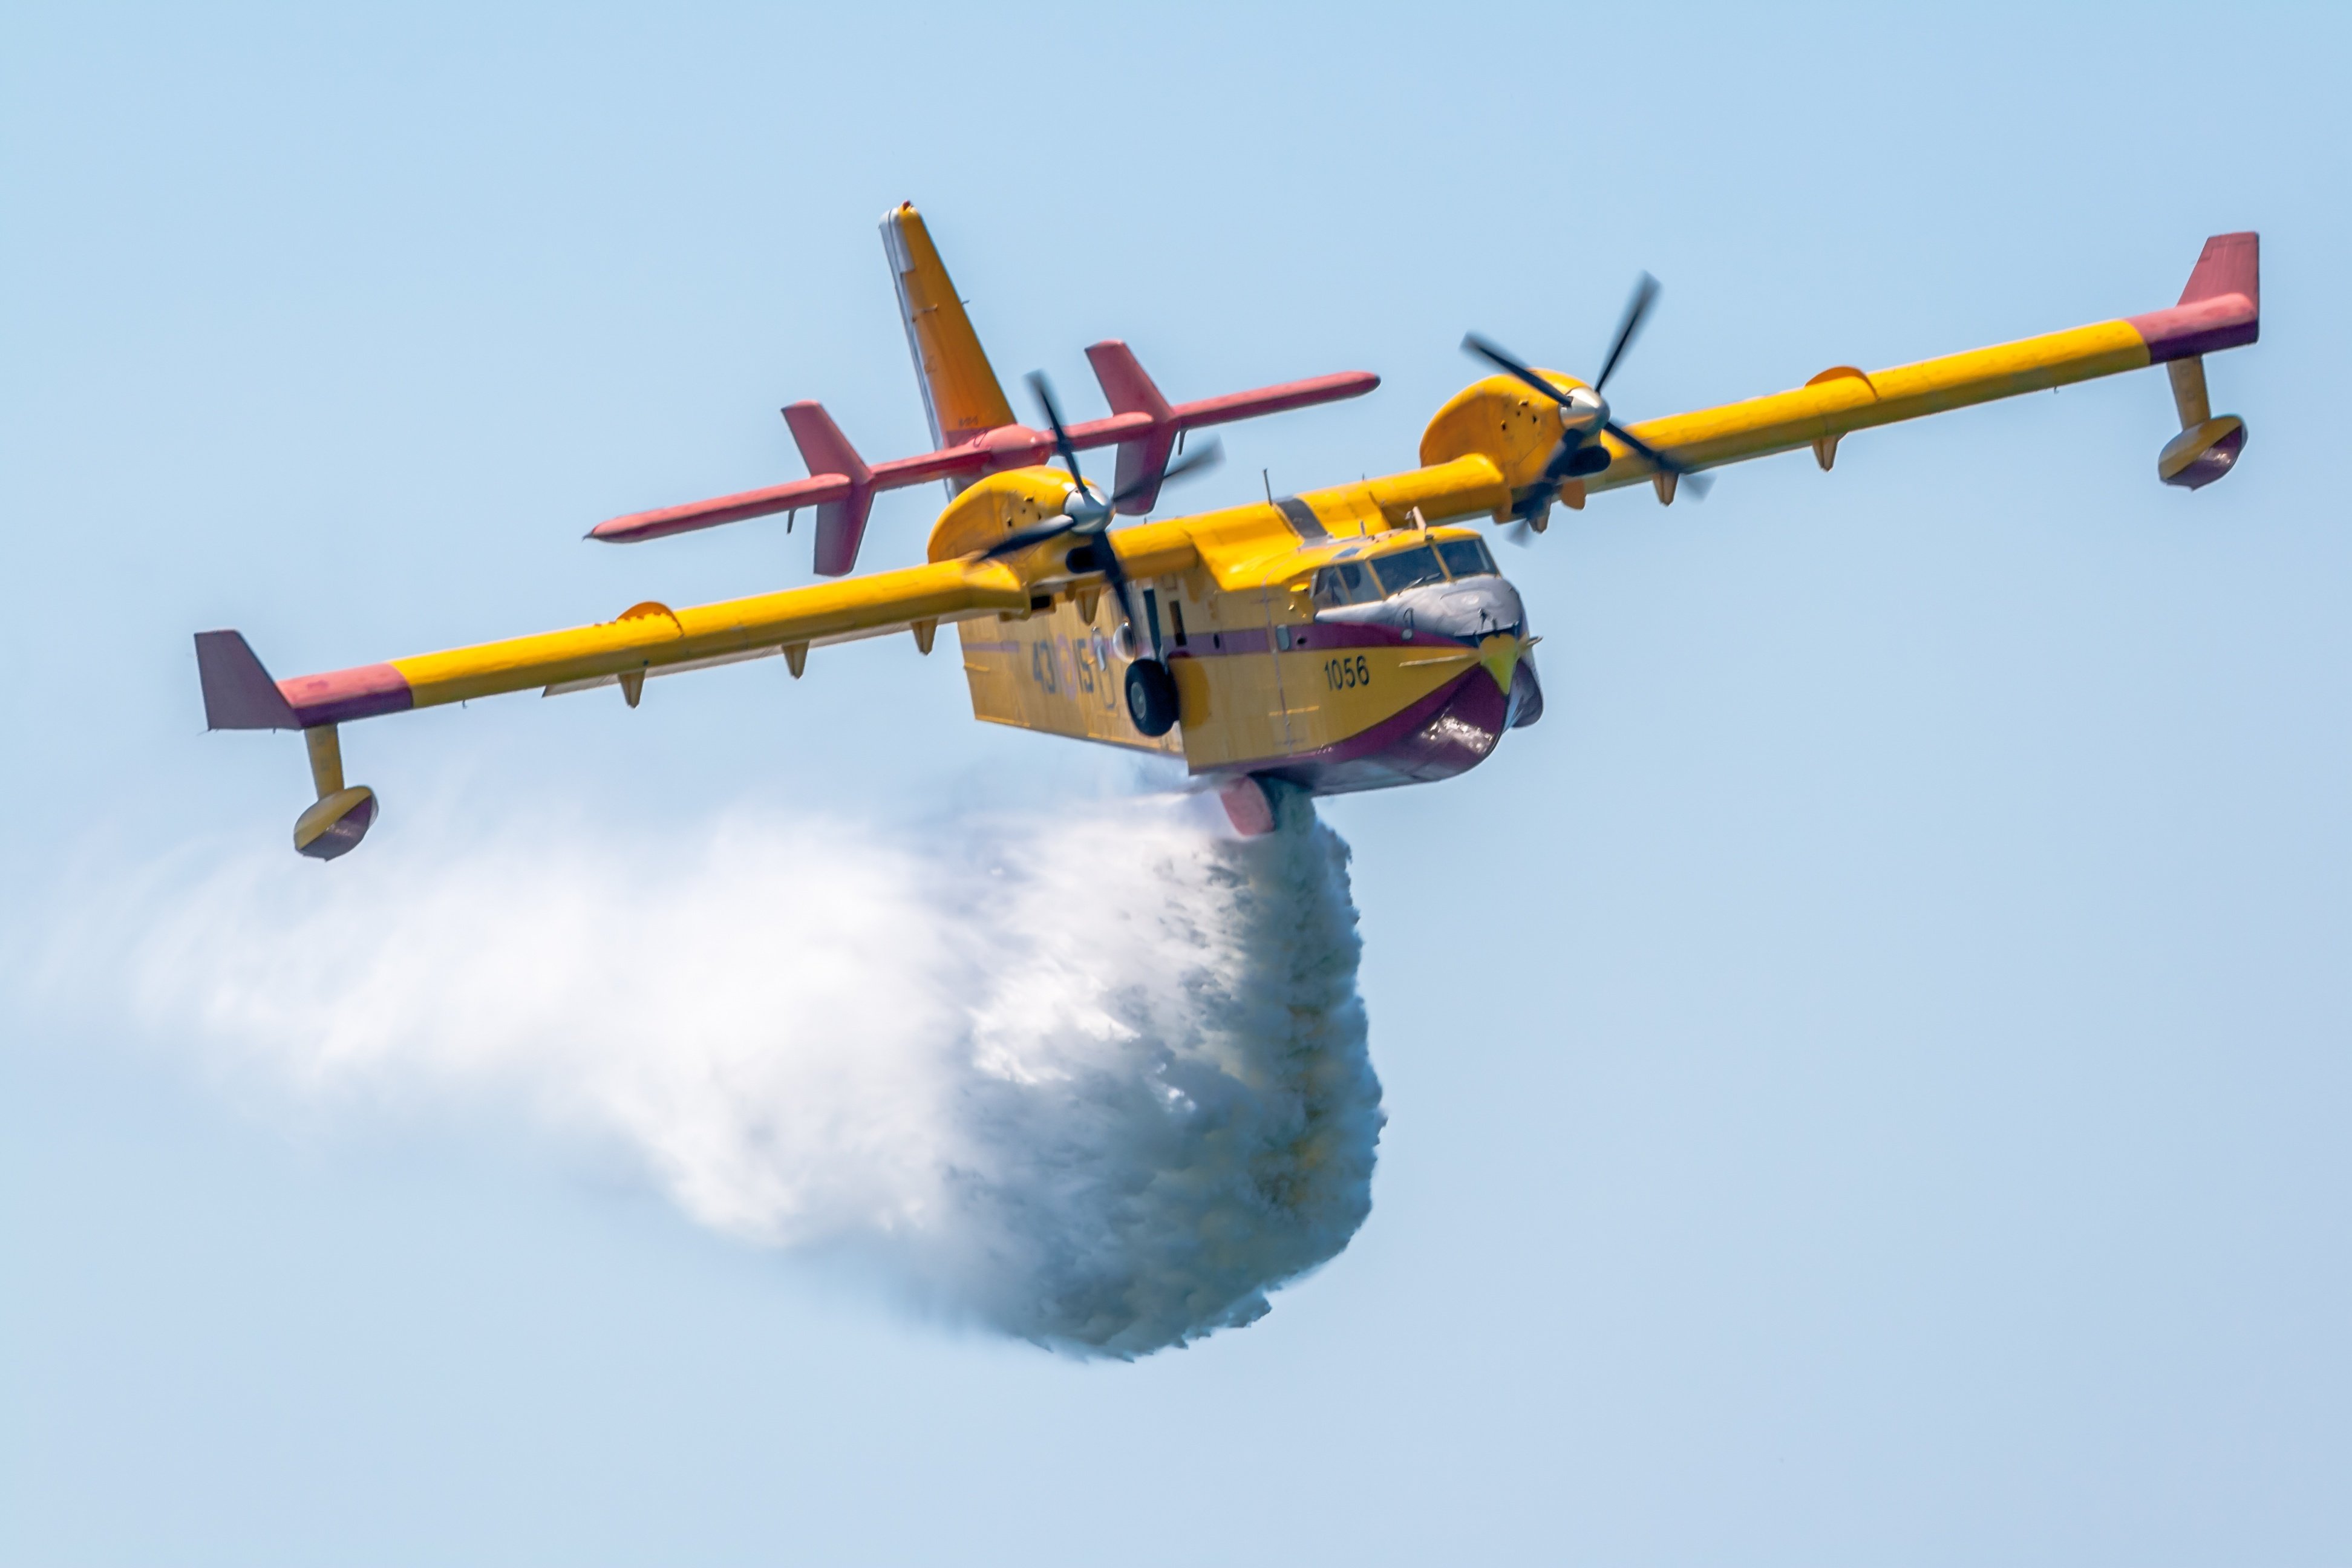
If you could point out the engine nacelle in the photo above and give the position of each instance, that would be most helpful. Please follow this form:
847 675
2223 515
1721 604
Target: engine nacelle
1499 419
991 508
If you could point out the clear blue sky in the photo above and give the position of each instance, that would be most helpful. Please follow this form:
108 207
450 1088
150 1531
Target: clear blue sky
1866 1076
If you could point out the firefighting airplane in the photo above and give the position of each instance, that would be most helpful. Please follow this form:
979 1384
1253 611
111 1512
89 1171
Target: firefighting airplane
1340 639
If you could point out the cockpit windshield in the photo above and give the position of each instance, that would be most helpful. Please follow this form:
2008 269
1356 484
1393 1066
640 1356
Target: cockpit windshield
1465 557
1408 569
1363 582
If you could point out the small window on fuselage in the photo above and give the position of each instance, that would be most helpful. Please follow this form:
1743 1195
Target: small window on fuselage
1408 569
1467 557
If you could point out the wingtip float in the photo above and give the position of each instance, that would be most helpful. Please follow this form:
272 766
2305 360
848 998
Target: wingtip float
1349 639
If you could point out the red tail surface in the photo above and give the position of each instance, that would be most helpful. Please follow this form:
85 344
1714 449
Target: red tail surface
840 523
971 421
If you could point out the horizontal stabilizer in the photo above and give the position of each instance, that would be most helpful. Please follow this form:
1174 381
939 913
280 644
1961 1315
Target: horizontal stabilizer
1274 399
238 693
1146 425
1143 424
815 491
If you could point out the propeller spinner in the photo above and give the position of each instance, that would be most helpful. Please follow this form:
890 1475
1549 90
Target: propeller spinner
1584 416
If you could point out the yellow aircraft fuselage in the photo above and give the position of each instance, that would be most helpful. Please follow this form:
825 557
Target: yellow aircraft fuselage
1334 640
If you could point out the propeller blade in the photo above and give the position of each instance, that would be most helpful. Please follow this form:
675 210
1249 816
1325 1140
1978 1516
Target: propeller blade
1044 391
1472 343
1642 448
1562 456
1114 574
1637 307
1206 456
1684 474
1020 539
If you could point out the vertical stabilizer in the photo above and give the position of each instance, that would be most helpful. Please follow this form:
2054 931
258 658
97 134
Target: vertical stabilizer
1132 390
960 390
840 525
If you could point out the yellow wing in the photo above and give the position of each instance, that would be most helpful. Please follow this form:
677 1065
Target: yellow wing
646 639
1843 399
2219 309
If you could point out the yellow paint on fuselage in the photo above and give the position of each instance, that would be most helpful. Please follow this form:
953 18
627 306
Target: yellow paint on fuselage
1238 577
1058 673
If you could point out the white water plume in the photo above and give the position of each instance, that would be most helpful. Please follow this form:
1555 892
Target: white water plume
1099 1081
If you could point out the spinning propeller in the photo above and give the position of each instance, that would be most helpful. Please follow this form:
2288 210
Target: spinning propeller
1584 416
1087 513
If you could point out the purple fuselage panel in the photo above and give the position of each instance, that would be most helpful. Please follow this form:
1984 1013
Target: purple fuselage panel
1449 732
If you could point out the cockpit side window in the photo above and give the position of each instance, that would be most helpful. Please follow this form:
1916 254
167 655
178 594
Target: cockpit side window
1345 584
1408 569
1467 557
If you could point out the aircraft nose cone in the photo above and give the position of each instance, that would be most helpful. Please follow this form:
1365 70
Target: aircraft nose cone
1473 609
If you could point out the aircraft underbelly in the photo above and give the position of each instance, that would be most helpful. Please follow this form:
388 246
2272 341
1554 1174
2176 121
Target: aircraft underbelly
1334 708
1249 705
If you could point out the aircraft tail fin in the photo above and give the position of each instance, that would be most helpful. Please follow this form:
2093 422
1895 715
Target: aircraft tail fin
840 525
1130 389
960 390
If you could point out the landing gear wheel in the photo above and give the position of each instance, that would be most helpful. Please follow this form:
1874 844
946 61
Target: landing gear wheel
1151 697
